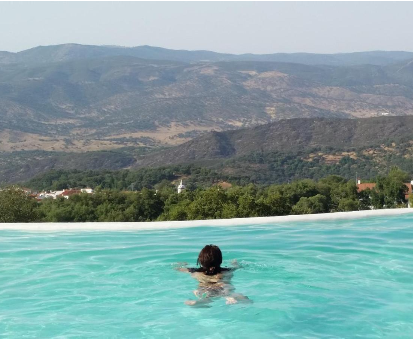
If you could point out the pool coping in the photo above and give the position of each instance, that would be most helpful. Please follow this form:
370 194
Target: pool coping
130 226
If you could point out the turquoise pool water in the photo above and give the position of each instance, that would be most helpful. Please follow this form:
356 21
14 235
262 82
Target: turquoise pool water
335 279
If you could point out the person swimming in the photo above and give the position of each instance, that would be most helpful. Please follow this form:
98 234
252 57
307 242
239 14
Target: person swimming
214 280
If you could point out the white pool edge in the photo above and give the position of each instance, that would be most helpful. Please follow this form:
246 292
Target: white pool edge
129 226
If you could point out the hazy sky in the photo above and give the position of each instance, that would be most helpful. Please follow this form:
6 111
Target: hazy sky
233 27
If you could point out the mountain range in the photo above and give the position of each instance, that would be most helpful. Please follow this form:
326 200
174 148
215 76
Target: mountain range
107 107
76 98
70 52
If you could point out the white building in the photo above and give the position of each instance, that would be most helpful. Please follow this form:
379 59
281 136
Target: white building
49 194
63 193
181 187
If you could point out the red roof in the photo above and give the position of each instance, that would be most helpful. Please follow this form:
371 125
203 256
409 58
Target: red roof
71 192
409 191
364 186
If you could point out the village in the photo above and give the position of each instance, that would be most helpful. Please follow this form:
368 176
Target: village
66 193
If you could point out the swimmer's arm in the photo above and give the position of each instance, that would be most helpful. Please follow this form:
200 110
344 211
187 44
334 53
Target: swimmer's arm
180 267
235 265
183 270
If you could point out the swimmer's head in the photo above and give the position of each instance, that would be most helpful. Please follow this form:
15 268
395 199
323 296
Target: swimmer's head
210 259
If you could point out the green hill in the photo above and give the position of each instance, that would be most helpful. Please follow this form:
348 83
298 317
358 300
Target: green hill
287 136
272 153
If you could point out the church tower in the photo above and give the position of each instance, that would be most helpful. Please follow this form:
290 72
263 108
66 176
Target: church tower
181 187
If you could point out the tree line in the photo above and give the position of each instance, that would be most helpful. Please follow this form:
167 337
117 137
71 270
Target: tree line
330 194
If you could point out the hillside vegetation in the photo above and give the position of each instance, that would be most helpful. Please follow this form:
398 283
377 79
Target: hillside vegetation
275 153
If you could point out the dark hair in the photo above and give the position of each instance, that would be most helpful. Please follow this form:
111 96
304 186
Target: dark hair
210 259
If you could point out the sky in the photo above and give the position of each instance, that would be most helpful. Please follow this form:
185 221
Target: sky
230 27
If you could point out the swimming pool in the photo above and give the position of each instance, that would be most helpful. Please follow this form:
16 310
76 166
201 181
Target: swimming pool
317 279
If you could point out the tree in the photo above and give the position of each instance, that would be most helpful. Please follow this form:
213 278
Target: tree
390 191
247 206
144 206
229 210
179 212
208 204
299 189
347 204
343 192
311 205
274 205
398 175
17 206
365 199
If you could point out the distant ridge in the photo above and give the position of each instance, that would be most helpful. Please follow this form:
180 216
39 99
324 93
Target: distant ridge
68 52
290 135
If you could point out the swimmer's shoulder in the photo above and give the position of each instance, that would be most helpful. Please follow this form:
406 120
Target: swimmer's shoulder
200 270
194 270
